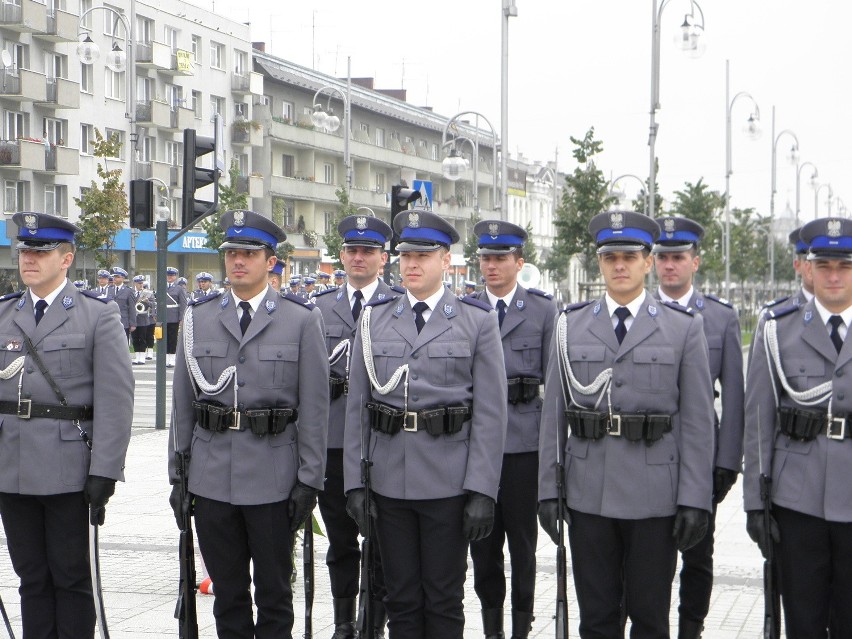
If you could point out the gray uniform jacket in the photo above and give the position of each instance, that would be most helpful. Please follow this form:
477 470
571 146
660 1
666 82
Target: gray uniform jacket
526 334
456 359
280 363
660 368
146 318
126 301
339 326
83 346
722 331
808 477
175 303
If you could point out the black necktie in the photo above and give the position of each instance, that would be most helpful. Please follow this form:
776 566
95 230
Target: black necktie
622 313
501 311
245 320
356 307
419 309
834 320
40 307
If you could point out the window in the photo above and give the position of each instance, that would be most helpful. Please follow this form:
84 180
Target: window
288 165
53 130
144 89
15 125
265 100
217 55
144 30
287 110
380 137
196 49
240 110
56 199
217 106
148 151
435 155
282 212
112 24
87 135
240 63
196 104
113 84
329 225
119 136
365 128
328 173
242 163
55 65
14 199
173 153
85 5
380 182
86 77
174 95
409 141
20 57
170 37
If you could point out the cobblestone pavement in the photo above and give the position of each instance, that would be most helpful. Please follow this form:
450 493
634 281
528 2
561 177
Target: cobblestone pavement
140 568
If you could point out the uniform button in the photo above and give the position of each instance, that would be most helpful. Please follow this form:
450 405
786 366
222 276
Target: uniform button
618 384
29 370
26 395
617 408
415 356
242 359
241 383
801 369
840 373
241 406
414 376
618 361
279 354
450 352
207 351
840 396
653 358
583 356
64 345
384 351
415 398
671 457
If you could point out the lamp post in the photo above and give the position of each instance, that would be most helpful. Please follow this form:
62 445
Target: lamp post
162 235
454 166
330 122
752 129
814 176
688 41
816 198
632 176
509 11
794 150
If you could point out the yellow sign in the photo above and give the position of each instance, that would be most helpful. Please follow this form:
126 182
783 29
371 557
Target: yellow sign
184 61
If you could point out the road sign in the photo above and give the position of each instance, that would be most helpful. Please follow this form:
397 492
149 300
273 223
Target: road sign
425 188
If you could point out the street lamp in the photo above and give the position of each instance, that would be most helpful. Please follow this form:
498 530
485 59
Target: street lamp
816 198
752 129
688 41
814 177
794 156
509 11
611 189
162 230
454 166
330 122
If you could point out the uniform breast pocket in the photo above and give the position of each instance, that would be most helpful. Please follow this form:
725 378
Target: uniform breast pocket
450 363
526 353
333 336
654 369
278 362
210 357
63 354
804 373
587 361
387 356
11 348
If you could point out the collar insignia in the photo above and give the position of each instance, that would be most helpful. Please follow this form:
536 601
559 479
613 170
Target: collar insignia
67 302
21 303
699 303
519 304
833 228
399 309
448 309
239 218
652 310
616 220
808 316
597 308
381 296
361 223
414 220
226 299
339 293
270 306
669 225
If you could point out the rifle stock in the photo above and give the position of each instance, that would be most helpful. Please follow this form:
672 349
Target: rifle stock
771 595
185 611
364 623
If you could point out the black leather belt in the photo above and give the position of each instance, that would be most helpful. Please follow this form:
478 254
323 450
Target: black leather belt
261 421
337 386
633 427
523 389
28 409
804 424
442 420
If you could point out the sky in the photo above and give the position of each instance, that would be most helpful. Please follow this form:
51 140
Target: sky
576 65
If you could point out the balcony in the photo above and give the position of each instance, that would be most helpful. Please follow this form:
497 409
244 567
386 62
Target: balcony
23 85
180 64
61 27
27 17
154 113
303 189
182 118
61 94
247 83
22 155
61 160
160 171
246 133
153 55
251 185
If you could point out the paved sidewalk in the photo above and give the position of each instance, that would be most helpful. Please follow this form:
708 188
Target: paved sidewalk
140 567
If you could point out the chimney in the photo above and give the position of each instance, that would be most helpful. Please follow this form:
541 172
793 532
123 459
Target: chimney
367 83
399 94
260 46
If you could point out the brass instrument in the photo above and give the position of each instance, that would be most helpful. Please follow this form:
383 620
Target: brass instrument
144 301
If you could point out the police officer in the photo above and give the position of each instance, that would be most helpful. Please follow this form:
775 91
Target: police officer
364 257
205 286
143 336
638 456
175 309
65 365
124 297
526 327
80 284
103 288
676 260
324 281
800 247
275 275
798 402
295 285
470 286
423 403
339 277
309 281
251 402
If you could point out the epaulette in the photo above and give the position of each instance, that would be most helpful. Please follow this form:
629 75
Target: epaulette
540 293
206 298
95 296
780 312
780 300
720 300
384 300
476 302
14 296
575 306
677 307
301 301
398 288
326 292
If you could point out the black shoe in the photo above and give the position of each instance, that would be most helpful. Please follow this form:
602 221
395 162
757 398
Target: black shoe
521 624
492 623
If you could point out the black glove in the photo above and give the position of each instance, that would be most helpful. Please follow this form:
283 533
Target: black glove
756 527
478 517
548 517
723 480
690 527
355 502
303 498
97 492
181 507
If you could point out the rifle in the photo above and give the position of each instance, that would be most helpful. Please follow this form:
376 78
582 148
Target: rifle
771 596
308 569
97 591
185 611
561 559
6 620
364 623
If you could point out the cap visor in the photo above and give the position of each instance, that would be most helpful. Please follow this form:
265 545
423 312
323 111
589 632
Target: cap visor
38 246
672 248
497 250
245 246
417 247
365 243
829 255
621 248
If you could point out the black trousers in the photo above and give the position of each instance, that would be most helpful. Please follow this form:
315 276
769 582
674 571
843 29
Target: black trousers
140 339
696 576
48 539
149 336
344 553
814 574
233 537
514 519
622 560
172 337
425 560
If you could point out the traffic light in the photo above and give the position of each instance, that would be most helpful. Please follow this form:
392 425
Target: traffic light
401 197
194 177
141 204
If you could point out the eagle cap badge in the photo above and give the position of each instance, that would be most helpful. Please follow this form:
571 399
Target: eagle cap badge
616 220
31 221
239 218
414 220
833 228
361 223
669 225
493 229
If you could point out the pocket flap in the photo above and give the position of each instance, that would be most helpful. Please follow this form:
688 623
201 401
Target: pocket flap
388 349
522 343
804 367
714 341
663 451
209 349
61 342
449 349
653 355
334 331
282 352
577 447
587 353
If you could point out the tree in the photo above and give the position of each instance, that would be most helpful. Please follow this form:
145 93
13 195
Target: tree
103 207
697 202
584 196
530 252
230 198
332 239
471 248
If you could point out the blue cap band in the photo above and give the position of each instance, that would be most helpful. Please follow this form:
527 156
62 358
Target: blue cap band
425 235
625 234
678 236
825 242
48 234
249 234
501 240
367 234
801 247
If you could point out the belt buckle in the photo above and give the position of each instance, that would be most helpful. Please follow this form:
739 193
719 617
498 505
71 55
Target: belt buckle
236 424
831 433
29 404
410 418
615 425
